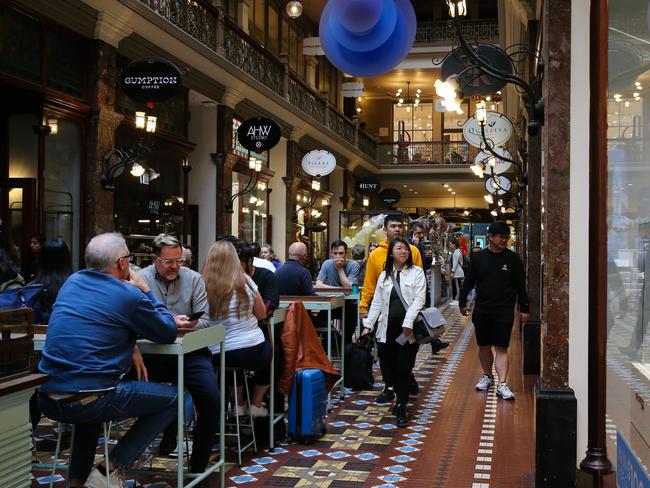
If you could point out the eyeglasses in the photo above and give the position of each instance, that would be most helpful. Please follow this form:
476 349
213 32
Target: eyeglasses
128 257
167 262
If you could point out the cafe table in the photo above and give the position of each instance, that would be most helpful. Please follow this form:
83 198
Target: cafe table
350 296
278 317
328 302
186 342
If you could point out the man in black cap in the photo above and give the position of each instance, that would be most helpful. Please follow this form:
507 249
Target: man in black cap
498 276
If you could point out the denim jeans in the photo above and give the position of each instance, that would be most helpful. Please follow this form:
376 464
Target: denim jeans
152 404
201 381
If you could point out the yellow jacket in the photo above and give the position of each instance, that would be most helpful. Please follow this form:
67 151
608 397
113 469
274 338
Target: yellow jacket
375 265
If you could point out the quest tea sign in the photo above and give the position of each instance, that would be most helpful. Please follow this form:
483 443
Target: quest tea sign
150 80
259 134
498 130
368 185
318 163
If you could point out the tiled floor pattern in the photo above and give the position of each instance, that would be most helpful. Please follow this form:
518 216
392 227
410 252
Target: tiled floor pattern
451 440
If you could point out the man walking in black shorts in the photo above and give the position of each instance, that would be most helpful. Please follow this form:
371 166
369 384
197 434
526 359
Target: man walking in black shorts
498 276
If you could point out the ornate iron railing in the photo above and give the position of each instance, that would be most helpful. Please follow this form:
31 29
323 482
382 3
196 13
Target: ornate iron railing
443 32
432 152
207 25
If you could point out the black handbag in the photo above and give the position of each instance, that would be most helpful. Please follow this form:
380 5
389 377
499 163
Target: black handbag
429 322
358 364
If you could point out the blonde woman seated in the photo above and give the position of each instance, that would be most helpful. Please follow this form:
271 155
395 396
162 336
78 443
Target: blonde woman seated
394 321
235 303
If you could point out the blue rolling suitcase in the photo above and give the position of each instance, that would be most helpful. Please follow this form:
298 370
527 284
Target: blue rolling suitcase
307 405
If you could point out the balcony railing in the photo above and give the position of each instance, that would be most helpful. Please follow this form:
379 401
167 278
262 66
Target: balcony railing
218 33
442 32
432 152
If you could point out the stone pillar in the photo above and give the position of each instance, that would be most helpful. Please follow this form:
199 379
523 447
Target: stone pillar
292 182
98 203
555 402
225 161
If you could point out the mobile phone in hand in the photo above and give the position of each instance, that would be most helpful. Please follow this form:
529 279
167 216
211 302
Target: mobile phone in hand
195 316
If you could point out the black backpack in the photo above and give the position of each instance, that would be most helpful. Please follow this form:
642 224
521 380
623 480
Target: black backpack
358 364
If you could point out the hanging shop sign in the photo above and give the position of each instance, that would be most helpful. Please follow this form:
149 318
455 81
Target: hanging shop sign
318 163
498 185
150 80
493 164
311 47
352 89
259 134
389 196
472 80
368 185
498 130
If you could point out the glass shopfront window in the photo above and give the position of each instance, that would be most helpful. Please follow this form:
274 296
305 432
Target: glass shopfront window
253 210
628 252
414 124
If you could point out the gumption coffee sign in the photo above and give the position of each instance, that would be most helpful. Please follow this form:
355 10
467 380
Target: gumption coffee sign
498 130
259 134
150 80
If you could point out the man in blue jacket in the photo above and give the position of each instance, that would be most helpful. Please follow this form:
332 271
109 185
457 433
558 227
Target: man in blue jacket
95 321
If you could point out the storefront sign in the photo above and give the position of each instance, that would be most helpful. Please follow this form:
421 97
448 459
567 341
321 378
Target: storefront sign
629 471
368 185
150 80
498 130
491 163
311 46
390 196
318 163
498 185
259 134
352 89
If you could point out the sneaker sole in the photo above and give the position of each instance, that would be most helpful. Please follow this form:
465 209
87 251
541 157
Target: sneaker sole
484 389
504 398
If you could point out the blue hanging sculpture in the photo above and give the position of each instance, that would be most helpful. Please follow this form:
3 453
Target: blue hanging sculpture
367 37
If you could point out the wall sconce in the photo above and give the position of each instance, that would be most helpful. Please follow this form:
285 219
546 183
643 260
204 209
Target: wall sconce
294 9
494 213
255 165
140 120
489 198
54 126
115 161
449 91
457 8
326 202
481 113
315 184
366 201
137 170
466 213
151 124
261 186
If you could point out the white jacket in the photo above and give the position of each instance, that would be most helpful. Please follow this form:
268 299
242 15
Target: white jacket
414 288
457 264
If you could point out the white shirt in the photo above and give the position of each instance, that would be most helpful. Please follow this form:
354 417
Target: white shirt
457 264
242 331
263 263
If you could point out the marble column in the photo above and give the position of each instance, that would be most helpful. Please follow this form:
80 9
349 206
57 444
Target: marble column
98 203
555 401
292 181
225 161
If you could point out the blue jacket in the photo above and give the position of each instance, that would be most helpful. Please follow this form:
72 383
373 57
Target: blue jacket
92 331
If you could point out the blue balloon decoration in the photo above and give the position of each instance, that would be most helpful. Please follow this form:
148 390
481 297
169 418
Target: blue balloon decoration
367 37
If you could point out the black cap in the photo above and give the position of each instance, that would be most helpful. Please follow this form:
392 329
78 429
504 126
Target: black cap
499 228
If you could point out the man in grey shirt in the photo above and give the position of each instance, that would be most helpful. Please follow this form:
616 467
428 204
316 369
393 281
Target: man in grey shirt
338 271
183 293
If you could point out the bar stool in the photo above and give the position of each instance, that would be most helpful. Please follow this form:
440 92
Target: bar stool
237 424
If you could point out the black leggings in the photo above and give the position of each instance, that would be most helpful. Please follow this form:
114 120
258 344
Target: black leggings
396 362
255 358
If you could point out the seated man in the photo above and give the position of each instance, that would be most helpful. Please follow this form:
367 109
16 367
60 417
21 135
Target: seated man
338 271
95 321
293 278
182 291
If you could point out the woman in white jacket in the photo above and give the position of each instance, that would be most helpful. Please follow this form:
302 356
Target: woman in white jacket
393 321
456 272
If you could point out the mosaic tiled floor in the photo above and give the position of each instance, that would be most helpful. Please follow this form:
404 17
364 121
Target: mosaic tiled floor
453 438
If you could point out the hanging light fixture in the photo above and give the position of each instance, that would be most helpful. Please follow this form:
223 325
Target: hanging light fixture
457 8
449 91
315 185
54 126
258 165
151 123
137 170
366 201
481 113
408 101
489 198
294 9
251 163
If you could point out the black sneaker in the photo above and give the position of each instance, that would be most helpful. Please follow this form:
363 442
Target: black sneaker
385 396
168 441
401 419
414 388
437 345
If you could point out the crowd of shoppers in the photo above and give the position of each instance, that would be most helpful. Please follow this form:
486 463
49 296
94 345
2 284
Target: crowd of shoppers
96 372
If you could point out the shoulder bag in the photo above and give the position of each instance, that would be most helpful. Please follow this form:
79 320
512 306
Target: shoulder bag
429 322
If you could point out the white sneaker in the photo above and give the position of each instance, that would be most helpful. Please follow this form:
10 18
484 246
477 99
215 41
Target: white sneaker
97 480
453 302
504 392
259 411
240 411
485 382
